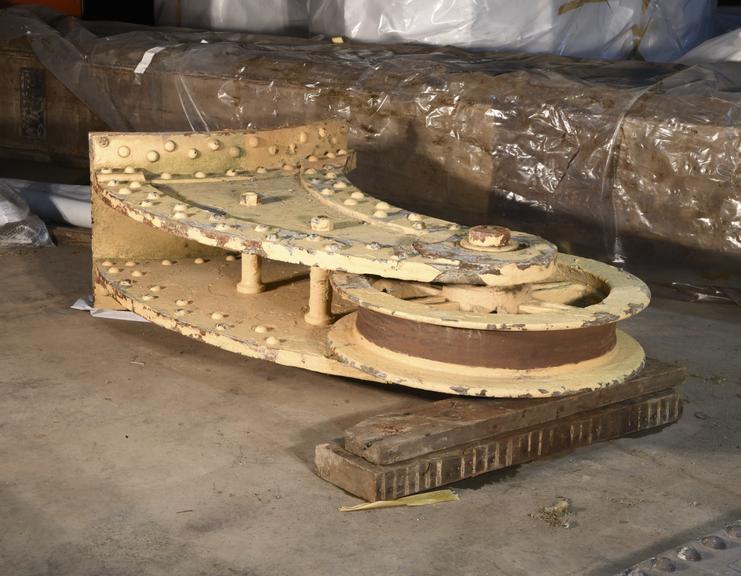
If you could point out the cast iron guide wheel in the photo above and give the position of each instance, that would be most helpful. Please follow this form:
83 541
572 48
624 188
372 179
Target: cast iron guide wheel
232 238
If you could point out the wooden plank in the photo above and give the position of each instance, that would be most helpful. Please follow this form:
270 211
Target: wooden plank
390 438
376 482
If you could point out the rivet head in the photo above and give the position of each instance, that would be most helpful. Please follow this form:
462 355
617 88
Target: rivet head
113 270
217 316
358 195
303 137
199 261
146 203
250 198
135 185
147 297
261 228
155 288
253 141
166 262
106 171
107 263
341 152
689 554
260 329
180 208
130 264
714 542
418 225
321 224
331 155
181 302
380 214
330 175
664 564
288 168
322 132
129 170
261 170
383 206
179 216
112 183
272 341
489 236
234 151
350 202
124 151
153 196
734 530
166 176
180 312
311 158
170 146
124 191
214 144
137 273
412 217
327 192
310 171
193 153
231 172
373 246
230 258
153 156
273 149
199 174
339 185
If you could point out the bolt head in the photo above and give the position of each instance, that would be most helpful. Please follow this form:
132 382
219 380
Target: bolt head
250 199
713 542
489 236
321 224
689 554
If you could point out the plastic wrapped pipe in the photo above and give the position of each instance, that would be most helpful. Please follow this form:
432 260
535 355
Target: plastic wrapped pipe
602 157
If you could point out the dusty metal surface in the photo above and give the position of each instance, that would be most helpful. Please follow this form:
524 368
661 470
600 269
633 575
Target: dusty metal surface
286 196
714 554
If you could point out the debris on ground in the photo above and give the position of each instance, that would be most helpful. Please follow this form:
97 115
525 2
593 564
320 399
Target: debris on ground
559 515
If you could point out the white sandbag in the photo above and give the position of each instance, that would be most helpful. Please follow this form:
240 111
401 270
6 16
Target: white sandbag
725 48
659 30
263 16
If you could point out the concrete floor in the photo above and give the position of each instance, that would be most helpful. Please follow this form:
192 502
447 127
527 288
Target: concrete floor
129 450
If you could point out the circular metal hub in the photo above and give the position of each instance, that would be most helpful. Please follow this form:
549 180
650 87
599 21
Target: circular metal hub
554 337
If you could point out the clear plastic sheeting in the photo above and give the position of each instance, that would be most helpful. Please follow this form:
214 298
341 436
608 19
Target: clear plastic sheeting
655 30
19 227
608 159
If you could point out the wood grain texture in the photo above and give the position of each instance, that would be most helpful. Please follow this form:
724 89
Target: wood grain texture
391 438
376 482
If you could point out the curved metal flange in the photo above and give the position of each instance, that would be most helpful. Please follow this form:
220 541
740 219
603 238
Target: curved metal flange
263 193
625 360
626 295
197 298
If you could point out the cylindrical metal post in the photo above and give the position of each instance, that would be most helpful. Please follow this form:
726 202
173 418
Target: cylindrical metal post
251 275
320 298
